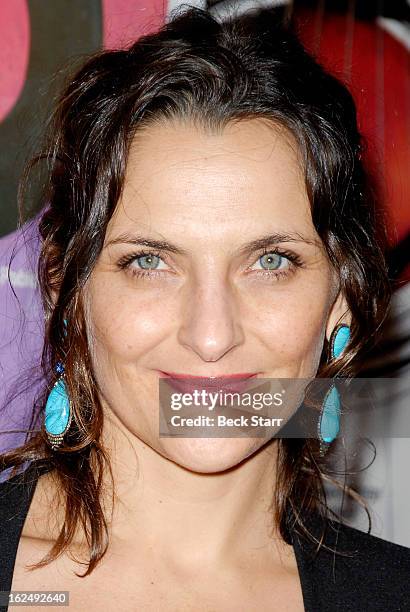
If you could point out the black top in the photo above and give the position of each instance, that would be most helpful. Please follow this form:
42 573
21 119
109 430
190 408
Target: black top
372 574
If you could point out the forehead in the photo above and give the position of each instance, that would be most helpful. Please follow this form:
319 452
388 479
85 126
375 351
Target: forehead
248 173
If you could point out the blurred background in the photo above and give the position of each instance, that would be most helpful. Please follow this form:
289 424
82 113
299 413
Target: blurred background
366 43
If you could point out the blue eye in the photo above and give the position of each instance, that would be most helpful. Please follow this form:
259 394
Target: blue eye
148 262
143 264
272 261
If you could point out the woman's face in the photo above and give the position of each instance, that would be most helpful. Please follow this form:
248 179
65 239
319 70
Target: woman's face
209 301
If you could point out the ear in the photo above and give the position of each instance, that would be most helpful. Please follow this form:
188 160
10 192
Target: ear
339 313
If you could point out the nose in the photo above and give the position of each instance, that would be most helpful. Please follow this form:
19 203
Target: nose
210 322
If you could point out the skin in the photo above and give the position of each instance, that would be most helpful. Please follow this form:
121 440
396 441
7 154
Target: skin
206 312
209 311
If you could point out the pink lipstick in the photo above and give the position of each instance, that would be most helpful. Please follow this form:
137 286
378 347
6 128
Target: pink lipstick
187 383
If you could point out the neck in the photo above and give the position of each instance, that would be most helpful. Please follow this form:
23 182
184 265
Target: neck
194 518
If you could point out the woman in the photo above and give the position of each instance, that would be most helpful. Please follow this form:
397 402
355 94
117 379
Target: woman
208 216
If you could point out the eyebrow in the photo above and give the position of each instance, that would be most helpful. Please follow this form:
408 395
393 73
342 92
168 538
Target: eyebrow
258 243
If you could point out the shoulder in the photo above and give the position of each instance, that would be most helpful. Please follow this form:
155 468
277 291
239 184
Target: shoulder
16 492
370 555
32 507
353 570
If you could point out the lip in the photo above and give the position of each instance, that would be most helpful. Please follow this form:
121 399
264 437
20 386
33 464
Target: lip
187 383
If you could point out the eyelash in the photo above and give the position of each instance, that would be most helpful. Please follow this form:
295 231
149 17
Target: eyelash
295 261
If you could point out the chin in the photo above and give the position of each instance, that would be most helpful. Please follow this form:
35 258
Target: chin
209 455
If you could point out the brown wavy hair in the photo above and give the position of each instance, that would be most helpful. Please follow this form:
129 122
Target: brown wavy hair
199 69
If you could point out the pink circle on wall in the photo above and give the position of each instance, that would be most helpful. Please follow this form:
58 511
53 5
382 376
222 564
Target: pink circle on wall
14 52
126 20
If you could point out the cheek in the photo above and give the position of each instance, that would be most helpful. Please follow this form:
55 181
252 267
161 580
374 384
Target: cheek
127 321
124 323
292 323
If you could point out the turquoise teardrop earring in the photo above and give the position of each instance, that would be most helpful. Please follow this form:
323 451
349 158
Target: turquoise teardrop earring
329 420
58 413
